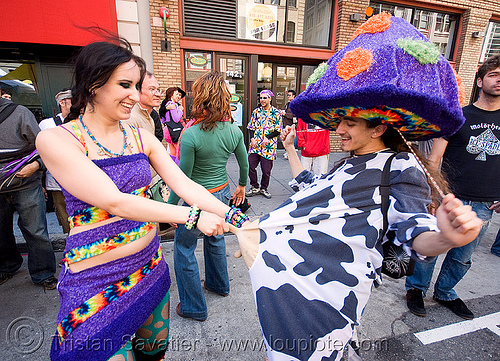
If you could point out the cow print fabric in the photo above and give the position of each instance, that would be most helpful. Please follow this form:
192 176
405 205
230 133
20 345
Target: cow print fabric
319 253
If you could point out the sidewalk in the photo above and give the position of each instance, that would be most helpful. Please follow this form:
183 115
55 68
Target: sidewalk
232 330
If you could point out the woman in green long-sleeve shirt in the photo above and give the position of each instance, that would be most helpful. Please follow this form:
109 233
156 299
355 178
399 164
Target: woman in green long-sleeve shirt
204 152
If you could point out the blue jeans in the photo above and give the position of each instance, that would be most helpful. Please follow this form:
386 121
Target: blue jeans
30 205
186 266
456 263
495 248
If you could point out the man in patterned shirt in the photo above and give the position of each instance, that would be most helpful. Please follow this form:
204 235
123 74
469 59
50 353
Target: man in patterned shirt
264 126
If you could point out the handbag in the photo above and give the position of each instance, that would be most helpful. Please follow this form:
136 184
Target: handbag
396 263
244 206
174 128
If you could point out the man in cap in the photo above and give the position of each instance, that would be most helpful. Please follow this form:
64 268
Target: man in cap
63 99
264 126
471 162
21 191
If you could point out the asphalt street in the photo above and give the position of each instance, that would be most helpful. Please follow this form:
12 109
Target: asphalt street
388 331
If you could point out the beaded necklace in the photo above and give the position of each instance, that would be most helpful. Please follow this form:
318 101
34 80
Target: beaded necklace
103 151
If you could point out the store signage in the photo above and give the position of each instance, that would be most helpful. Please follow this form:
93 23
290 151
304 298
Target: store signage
198 60
262 22
236 98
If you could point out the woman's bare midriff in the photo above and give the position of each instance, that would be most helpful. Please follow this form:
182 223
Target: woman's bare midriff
117 253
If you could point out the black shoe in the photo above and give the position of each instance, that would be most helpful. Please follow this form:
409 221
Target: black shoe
415 302
5 276
49 284
457 306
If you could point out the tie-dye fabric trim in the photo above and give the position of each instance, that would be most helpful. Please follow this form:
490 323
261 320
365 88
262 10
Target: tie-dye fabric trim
402 119
93 215
106 244
109 294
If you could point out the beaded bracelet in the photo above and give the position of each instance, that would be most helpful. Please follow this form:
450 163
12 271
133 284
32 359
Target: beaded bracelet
236 217
194 215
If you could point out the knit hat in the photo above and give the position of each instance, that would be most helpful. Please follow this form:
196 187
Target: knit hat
64 94
389 73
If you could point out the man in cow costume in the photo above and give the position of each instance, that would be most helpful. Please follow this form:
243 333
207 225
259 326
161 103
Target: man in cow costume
313 261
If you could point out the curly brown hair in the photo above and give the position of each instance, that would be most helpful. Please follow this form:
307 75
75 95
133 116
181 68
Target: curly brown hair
211 100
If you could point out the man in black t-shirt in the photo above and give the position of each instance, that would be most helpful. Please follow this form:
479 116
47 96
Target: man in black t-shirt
471 162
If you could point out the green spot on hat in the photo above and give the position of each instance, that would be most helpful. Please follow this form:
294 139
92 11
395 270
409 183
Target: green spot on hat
425 52
318 73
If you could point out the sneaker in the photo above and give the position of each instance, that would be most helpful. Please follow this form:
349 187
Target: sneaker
457 306
265 193
285 156
49 284
252 192
415 302
5 276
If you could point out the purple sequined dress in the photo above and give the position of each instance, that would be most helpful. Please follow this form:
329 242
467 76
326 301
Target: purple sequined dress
103 306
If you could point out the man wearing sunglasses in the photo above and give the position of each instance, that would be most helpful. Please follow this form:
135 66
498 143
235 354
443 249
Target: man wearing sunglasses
264 127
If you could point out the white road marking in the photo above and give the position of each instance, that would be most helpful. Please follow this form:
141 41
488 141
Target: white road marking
491 322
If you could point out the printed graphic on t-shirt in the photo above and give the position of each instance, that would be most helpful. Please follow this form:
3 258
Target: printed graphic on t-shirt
485 143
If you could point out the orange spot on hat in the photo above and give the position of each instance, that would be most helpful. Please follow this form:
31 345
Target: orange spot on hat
461 88
354 62
376 24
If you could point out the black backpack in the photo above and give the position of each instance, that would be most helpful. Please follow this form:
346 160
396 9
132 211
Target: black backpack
397 263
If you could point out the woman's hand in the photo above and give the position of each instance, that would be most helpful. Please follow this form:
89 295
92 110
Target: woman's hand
253 143
211 224
238 196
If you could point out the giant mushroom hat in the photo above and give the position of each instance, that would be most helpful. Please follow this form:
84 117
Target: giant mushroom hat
388 73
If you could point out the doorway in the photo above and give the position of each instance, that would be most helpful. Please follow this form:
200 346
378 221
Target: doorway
279 78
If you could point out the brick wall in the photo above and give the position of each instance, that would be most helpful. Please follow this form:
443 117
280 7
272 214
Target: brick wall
475 16
167 65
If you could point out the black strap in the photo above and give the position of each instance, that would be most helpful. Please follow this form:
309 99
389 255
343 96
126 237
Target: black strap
9 108
57 120
385 190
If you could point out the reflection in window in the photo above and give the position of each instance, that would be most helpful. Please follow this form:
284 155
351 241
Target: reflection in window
308 22
439 28
491 45
19 80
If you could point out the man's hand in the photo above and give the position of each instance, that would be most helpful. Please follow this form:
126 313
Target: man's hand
253 142
28 170
457 222
288 136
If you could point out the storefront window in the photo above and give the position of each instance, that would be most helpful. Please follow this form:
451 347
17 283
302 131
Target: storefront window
281 21
196 64
18 82
440 28
491 44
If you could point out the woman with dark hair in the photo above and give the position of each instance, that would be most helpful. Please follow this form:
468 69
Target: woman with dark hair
171 113
114 281
205 149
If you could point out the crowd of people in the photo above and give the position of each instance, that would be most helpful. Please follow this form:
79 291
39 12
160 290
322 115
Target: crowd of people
119 157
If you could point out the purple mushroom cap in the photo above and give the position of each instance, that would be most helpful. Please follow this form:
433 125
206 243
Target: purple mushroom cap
403 81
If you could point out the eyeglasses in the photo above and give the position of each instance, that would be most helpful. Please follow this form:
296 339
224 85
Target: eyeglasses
156 91
264 98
